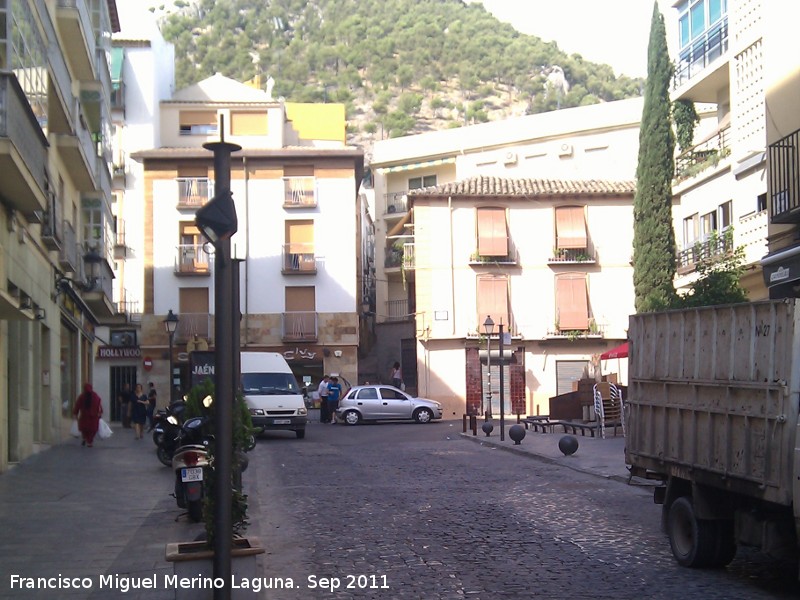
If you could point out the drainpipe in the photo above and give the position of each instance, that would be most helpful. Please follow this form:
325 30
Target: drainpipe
246 252
452 268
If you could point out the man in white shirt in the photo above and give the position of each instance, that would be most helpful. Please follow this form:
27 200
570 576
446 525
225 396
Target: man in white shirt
324 414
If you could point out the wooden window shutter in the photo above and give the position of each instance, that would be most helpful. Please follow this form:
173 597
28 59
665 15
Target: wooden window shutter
198 117
300 235
570 227
493 301
492 234
193 301
249 123
300 299
572 304
298 171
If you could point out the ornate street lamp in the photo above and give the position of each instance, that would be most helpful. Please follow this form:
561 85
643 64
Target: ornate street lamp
171 326
488 327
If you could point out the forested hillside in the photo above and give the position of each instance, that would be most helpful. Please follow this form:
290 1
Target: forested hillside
400 66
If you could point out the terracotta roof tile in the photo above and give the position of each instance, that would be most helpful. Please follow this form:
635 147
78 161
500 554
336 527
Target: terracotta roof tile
483 185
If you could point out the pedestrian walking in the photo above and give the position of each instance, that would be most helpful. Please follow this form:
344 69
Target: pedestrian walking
334 392
139 411
125 403
152 400
88 409
397 376
322 390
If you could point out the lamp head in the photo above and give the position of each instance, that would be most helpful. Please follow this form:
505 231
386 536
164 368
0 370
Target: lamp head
488 325
171 322
217 220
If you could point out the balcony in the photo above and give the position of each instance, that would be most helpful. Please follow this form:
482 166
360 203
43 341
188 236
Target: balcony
62 104
77 35
784 179
98 295
299 326
715 245
510 258
79 152
23 150
397 310
298 259
121 248
51 229
190 325
192 260
68 255
703 156
396 203
299 192
701 53
194 192
571 256
593 331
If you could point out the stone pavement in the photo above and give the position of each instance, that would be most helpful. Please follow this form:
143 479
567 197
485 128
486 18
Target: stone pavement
105 514
595 456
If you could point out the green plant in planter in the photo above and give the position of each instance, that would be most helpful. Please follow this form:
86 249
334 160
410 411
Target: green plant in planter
242 431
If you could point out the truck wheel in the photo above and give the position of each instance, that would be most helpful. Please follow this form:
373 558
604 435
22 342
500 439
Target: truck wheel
693 541
725 549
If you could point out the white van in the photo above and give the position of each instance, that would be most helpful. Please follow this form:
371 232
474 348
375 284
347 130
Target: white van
272 394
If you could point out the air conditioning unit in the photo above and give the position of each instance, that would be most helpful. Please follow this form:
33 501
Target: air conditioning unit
510 158
565 150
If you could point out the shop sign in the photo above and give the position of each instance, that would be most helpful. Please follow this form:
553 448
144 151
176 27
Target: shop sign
111 352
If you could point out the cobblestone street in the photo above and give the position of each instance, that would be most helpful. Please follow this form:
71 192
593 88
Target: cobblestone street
420 513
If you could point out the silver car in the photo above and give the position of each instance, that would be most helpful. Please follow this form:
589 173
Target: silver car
385 403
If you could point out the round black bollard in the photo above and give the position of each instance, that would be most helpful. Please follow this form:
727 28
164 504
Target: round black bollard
487 428
516 433
568 444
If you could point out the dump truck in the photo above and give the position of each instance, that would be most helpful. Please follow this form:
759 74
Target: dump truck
712 412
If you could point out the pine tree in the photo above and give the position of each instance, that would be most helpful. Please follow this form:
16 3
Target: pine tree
653 235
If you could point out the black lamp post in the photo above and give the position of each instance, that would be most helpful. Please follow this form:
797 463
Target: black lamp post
502 396
171 326
488 327
218 222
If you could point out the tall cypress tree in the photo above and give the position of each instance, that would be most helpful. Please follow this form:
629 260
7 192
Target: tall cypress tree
653 235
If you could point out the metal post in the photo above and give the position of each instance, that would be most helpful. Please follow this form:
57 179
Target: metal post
502 398
171 394
488 412
224 376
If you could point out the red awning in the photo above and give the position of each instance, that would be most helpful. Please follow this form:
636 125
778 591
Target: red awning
620 351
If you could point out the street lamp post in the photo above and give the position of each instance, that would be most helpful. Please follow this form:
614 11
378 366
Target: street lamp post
488 327
171 326
502 396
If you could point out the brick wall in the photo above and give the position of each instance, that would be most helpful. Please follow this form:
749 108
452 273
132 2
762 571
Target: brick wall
473 376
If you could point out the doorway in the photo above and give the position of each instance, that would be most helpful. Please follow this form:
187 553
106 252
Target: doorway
119 377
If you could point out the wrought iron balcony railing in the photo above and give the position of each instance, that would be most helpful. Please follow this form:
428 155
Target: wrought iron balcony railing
784 179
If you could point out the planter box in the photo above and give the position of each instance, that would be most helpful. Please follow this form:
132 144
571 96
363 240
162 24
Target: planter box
194 566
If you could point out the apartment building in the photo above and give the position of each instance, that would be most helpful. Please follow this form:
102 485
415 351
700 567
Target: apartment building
142 74
781 268
720 182
298 245
56 251
528 220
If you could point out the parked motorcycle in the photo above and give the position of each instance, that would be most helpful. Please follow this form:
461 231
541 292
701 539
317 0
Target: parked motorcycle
191 464
167 434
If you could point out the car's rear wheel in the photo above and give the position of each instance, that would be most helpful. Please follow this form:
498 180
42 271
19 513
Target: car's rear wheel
423 415
352 417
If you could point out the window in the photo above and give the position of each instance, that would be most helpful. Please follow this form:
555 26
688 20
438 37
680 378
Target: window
691 230
192 258
299 248
249 123
724 217
697 17
492 300
299 186
572 305
492 233
25 53
198 122
193 312
300 318
708 223
570 227
367 394
415 183
761 202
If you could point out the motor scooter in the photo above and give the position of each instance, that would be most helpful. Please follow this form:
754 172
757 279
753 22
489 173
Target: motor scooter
191 463
169 434
168 420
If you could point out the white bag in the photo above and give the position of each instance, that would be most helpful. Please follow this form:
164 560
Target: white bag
402 386
74 431
104 431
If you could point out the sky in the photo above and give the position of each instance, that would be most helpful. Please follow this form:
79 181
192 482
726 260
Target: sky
613 32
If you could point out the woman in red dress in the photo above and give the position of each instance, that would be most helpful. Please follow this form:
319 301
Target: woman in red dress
88 409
